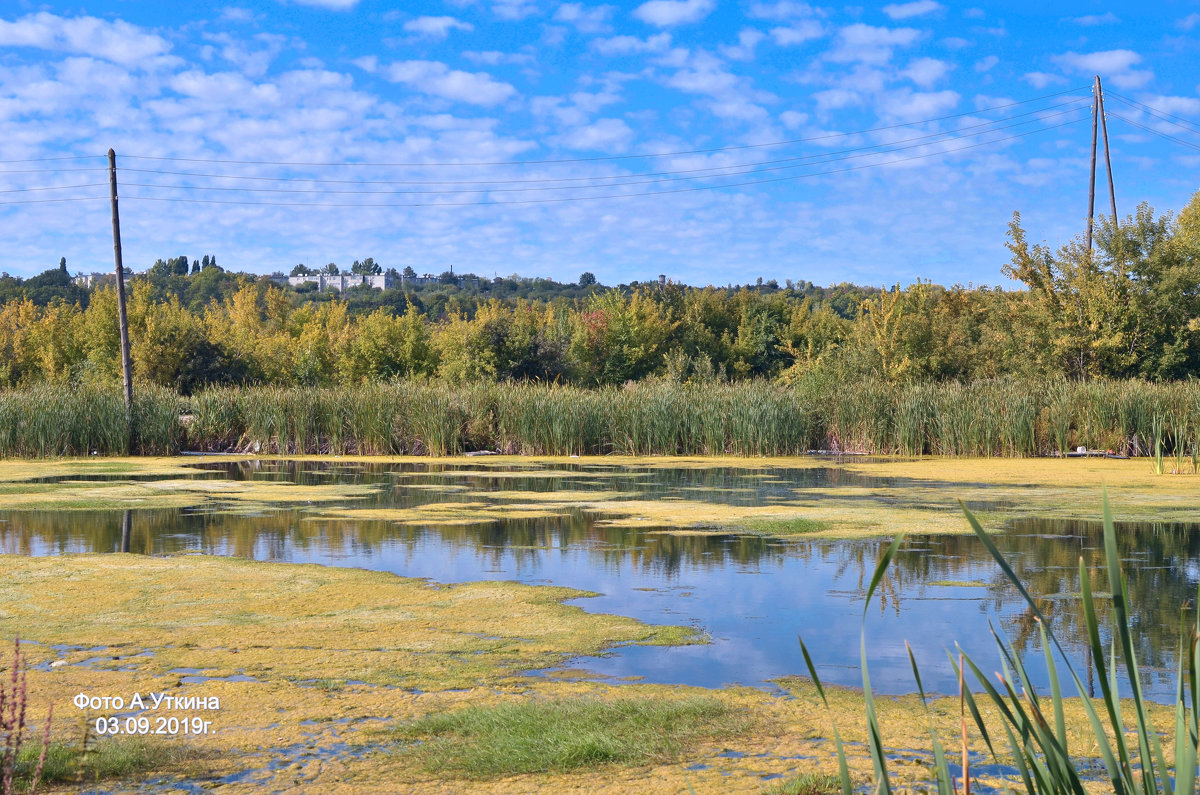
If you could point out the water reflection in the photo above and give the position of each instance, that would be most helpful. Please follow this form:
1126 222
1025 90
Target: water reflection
751 594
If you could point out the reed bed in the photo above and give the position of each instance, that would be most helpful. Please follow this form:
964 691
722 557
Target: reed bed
52 420
1001 417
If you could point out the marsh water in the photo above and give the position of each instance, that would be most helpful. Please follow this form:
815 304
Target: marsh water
750 595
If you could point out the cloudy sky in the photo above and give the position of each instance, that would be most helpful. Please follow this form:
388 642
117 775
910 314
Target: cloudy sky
713 141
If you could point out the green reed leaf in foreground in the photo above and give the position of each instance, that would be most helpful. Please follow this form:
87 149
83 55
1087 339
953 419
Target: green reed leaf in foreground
1039 749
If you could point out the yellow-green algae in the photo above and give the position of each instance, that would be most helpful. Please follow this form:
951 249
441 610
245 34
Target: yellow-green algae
298 628
169 493
196 611
923 500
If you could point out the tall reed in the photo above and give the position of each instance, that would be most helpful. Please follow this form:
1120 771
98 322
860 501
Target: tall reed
52 420
999 417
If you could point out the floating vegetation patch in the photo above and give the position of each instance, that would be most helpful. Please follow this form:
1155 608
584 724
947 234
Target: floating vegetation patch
172 493
445 513
279 621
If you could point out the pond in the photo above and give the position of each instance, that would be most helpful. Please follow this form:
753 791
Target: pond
751 594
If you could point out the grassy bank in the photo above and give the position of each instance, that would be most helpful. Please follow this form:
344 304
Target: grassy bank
754 418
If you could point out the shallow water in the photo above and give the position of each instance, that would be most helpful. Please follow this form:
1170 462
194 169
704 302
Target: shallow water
751 594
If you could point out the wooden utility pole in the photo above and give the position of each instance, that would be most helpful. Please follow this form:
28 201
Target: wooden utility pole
1092 181
1112 193
122 318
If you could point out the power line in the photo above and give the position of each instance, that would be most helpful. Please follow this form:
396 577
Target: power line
49 159
54 187
46 170
63 199
608 196
1162 114
1153 131
726 172
612 157
949 134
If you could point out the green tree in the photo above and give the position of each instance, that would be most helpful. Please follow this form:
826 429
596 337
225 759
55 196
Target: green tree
367 267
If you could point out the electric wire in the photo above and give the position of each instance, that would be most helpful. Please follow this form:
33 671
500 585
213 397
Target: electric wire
950 134
1190 126
611 157
607 196
63 199
1153 131
53 187
683 175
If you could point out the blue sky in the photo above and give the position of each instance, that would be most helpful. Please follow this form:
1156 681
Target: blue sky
512 136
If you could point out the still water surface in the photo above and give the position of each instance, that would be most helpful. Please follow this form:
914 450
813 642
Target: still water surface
751 595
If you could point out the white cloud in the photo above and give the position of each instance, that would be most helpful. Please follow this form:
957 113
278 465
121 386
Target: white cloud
784 9
497 58
1189 22
728 96
1043 79
914 9
236 14
607 135
667 13
909 105
333 5
1188 106
1116 65
748 40
435 79
368 63
1092 20
834 98
514 9
119 41
797 33
632 45
253 60
926 72
793 119
870 45
986 64
585 19
436 27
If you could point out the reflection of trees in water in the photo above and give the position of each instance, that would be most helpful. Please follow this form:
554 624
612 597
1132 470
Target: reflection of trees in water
281 534
1159 559
725 485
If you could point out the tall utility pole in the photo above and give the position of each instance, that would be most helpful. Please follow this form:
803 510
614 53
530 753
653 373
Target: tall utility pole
1112 193
1091 182
1099 120
122 318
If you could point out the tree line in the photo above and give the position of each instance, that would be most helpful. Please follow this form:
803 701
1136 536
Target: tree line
1128 309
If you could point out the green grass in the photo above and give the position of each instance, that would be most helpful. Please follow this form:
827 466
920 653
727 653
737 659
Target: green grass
785 527
807 784
115 758
565 734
